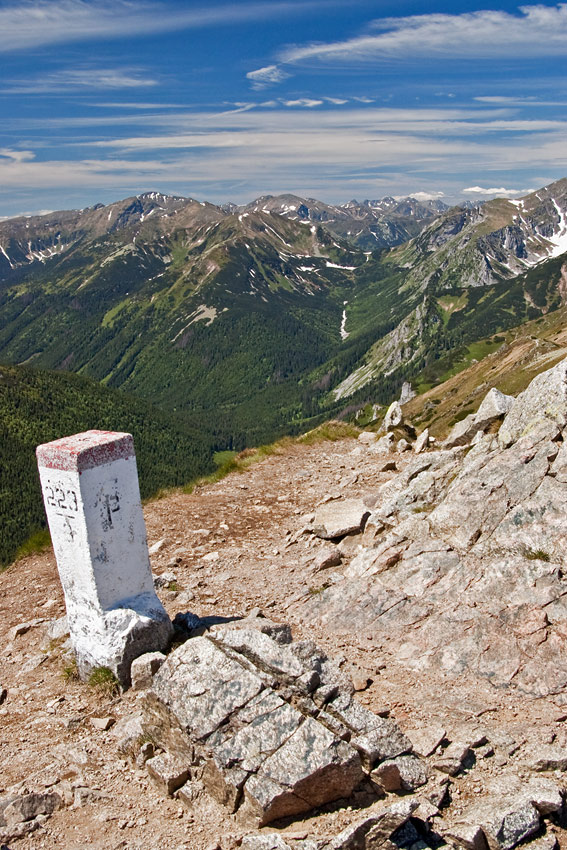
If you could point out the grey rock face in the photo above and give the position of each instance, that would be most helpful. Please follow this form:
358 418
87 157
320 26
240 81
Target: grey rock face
452 759
367 437
385 443
328 557
462 432
199 698
24 808
422 442
494 406
394 417
505 826
280 632
466 835
514 810
405 773
372 831
335 519
144 668
420 484
311 768
407 393
475 537
264 842
543 403
128 731
425 741
168 772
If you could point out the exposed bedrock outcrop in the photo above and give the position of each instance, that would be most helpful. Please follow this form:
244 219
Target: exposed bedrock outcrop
466 570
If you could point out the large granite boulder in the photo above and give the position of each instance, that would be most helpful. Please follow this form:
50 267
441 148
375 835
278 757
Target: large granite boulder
337 518
543 403
270 729
494 406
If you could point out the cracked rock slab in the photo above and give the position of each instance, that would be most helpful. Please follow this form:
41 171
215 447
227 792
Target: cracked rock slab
335 519
311 768
250 708
405 773
202 686
372 831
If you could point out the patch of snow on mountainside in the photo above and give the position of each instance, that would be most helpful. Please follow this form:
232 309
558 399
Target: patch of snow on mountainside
335 266
559 240
344 333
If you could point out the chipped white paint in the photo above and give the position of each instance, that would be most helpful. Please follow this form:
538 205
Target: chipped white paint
92 500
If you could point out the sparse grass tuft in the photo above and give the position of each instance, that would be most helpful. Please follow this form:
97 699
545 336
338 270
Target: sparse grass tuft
70 672
537 555
333 430
145 738
314 591
104 680
38 543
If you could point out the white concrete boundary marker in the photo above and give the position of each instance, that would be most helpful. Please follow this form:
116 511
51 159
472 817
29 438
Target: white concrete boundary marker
92 500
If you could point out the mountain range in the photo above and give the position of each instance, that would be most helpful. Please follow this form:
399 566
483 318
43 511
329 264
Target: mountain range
267 315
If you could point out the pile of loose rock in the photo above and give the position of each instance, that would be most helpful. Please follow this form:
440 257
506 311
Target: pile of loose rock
455 564
21 814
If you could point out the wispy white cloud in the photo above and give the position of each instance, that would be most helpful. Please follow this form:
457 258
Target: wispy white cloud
267 76
26 213
422 196
304 102
501 191
15 156
537 31
34 23
137 105
81 79
504 100
321 152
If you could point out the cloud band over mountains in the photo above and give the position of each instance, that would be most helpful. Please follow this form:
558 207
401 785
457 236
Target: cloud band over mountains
537 31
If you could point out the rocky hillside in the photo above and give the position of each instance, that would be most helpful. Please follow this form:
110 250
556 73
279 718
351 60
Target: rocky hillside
424 589
470 535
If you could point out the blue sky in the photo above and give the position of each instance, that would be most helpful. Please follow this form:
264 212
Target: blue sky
229 100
